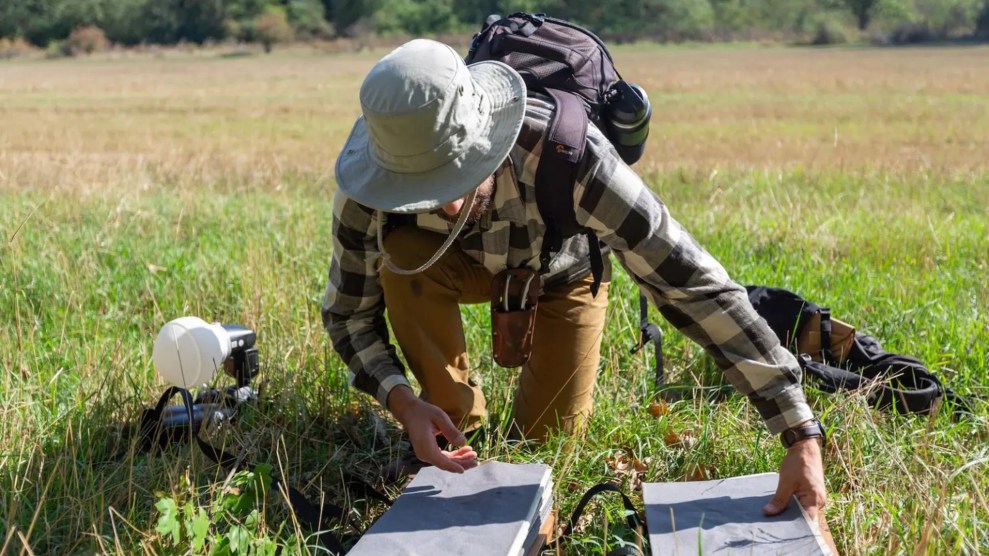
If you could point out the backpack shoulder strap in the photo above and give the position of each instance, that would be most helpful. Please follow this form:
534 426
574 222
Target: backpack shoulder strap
556 175
826 353
649 332
915 391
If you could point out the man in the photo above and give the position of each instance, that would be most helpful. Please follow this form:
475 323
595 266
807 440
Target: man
457 148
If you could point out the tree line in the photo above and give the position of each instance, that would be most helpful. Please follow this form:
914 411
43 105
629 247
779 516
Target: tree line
133 22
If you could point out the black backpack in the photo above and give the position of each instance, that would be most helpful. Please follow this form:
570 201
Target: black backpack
893 381
572 66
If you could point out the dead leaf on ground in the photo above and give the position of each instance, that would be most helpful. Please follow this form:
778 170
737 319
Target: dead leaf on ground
641 465
685 439
658 409
619 463
624 463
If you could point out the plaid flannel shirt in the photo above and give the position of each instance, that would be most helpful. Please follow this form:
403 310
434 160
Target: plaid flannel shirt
690 288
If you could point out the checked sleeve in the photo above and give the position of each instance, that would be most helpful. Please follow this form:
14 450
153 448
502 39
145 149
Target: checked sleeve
690 288
353 306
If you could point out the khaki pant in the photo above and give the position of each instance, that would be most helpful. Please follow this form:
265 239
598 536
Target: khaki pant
555 387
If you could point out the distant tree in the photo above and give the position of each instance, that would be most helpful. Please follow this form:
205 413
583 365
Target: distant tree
794 16
473 12
68 15
272 27
732 17
158 22
308 18
863 11
346 13
242 10
163 21
200 20
654 19
555 8
87 40
415 17
949 18
982 22
12 18
168 21
41 21
243 16
130 22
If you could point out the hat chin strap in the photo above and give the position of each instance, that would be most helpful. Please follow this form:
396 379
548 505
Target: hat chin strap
457 228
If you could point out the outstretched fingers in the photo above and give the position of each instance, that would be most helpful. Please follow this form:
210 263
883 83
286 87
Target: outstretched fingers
465 456
429 452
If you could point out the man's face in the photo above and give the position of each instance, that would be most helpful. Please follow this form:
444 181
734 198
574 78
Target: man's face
482 202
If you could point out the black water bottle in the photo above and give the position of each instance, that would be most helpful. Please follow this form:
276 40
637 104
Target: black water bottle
628 113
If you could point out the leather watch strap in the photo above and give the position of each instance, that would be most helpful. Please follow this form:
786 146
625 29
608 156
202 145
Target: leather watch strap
813 429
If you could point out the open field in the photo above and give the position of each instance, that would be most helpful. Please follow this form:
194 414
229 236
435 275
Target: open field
137 190
264 121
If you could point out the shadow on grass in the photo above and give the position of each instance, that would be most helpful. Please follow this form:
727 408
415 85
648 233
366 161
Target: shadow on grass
90 488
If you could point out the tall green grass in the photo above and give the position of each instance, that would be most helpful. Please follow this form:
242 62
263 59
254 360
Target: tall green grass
135 191
89 279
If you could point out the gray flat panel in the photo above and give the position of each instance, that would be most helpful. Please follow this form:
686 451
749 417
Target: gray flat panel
725 517
485 511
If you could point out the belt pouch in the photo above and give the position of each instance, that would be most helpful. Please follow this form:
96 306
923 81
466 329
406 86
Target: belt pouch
514 296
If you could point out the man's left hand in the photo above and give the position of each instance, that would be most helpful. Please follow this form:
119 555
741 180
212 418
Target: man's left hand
801 475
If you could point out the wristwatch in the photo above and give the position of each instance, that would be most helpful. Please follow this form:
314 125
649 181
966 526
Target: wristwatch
813 429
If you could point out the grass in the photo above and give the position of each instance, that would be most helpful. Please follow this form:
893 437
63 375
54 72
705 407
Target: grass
134 191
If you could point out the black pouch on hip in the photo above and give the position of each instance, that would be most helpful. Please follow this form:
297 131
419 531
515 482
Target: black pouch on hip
514 296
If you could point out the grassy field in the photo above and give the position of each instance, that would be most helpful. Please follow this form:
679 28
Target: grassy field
140 189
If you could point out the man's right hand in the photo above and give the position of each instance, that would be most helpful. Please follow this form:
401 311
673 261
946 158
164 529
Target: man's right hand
423 421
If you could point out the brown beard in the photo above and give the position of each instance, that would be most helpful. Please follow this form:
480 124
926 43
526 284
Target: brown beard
482 202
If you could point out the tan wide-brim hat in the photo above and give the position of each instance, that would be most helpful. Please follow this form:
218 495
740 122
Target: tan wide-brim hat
432 128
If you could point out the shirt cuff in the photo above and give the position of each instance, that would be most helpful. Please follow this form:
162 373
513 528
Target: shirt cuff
793 410
386 386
